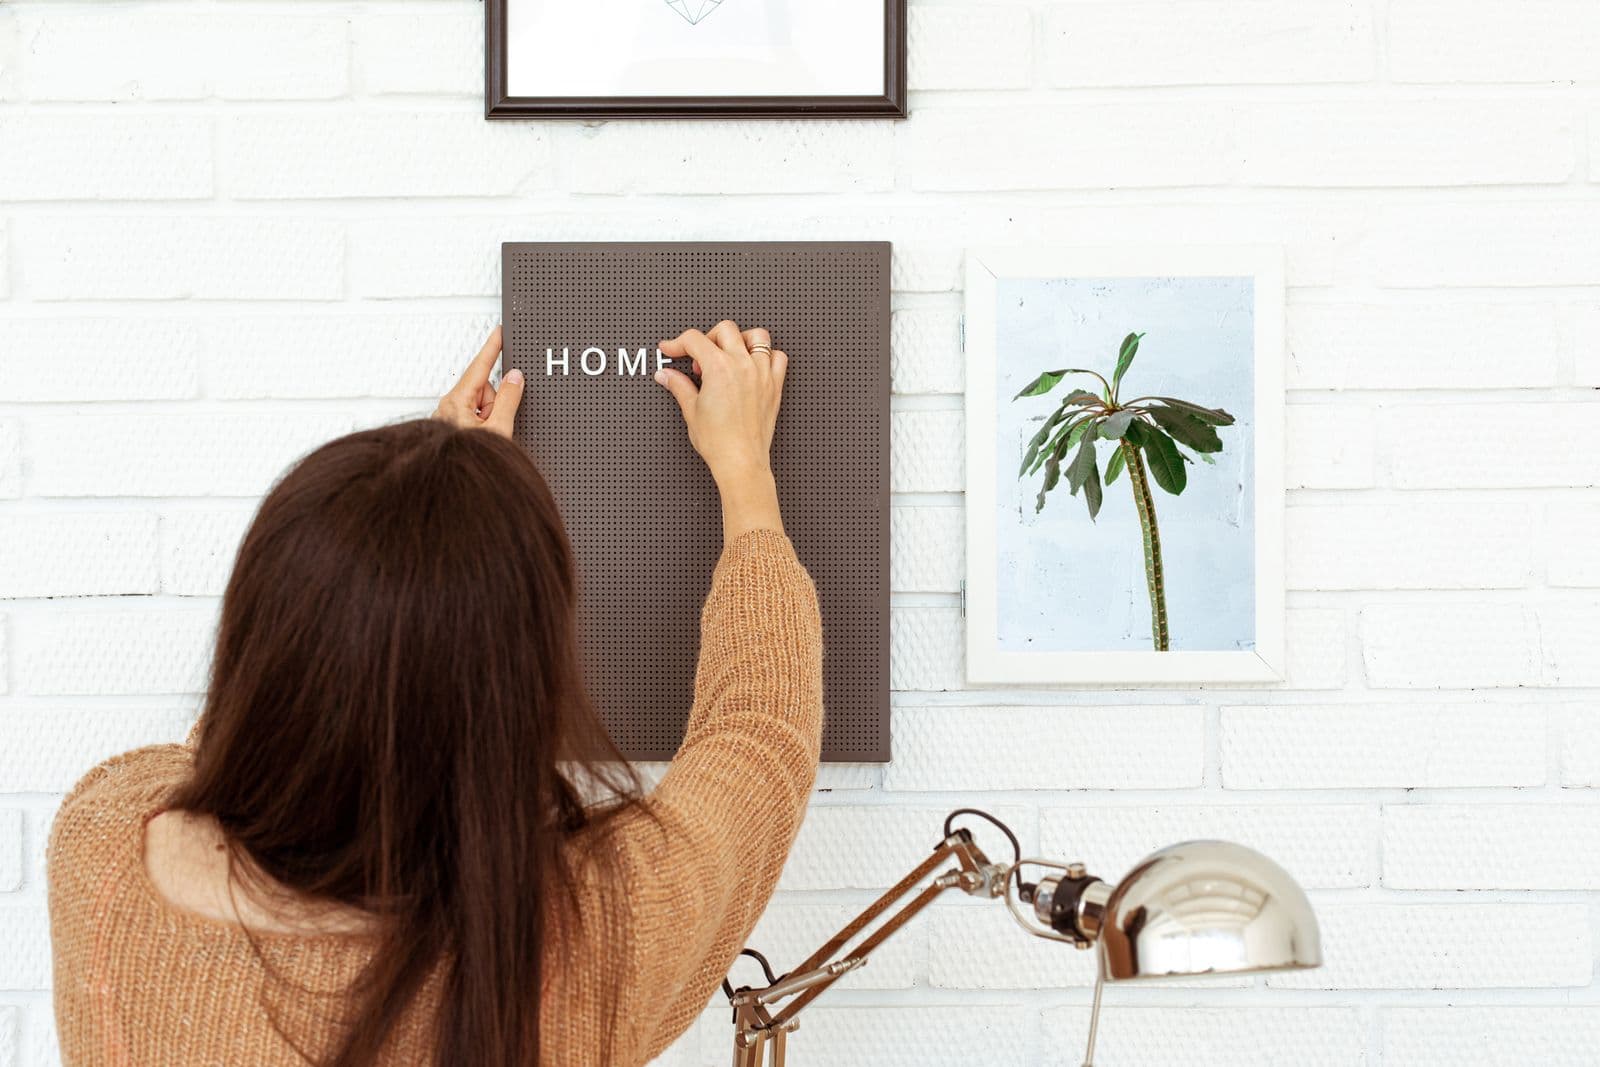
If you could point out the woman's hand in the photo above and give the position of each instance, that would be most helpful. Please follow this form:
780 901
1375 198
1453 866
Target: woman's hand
731 416
472 403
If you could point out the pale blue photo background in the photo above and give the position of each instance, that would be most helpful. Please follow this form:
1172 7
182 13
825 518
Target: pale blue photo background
1065 583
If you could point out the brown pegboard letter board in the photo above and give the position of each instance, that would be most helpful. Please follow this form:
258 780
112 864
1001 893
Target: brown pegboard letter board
640 508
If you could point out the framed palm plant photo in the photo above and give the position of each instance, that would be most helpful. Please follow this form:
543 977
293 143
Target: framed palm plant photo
1124 465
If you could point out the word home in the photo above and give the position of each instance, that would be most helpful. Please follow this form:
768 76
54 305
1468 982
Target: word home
596 361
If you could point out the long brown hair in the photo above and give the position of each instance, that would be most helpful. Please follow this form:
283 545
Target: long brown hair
396 722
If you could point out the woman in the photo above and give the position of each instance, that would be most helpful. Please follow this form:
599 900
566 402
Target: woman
398 834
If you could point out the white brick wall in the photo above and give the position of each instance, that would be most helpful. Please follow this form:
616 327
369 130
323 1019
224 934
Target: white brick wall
163 455
10 850
229 232
1376 746
378 153
107 357
197 549
1438 1037
1580 748
1468 343
181 55
1570 524
1192 44
10 458
1587 331
1438 545
1421 946
1458 242
1258 1036
77 257
987 47
46 751
105 157
1325 846
994 1033
1491 846
151 650
388 61
1536 41
78 554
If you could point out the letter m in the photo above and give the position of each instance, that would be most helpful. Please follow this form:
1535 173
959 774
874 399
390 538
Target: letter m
630 364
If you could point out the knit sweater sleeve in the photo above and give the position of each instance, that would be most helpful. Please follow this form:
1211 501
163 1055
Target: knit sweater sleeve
720 824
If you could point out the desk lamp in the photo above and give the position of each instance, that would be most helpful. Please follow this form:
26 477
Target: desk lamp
1189 910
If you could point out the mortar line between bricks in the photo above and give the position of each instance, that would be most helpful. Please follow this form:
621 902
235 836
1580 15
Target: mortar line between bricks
1191 695
1091 798
1179 996
487 303
1353 91
1299 499
852 206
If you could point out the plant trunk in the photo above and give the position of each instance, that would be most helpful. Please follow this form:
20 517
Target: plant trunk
1154 577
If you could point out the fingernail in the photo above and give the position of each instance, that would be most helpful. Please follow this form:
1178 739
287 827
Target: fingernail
661 377
514 376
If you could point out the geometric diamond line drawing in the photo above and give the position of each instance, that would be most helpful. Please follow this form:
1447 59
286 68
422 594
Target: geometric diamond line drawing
693 10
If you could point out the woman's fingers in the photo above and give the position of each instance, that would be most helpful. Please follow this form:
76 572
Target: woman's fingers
476 376
676 349
472 402
727 337
780 366
725 347
682 389
705 352
759 342
501 414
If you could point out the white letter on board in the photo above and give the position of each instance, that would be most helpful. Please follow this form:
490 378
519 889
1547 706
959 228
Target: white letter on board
550 361
584 361
661 361
630 365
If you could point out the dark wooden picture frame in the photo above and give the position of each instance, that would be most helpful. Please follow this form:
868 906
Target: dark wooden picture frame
499 104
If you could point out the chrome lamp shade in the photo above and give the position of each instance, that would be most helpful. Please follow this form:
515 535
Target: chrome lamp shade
1206 908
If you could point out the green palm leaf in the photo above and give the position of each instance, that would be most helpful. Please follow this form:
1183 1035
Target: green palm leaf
1083 464
1214 416
1042 384
1130 348
1115 464
1187 430
1166 462
1115 425
1038 439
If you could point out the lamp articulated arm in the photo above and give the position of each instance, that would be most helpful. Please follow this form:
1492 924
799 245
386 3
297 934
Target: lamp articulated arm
762 1028
1192 909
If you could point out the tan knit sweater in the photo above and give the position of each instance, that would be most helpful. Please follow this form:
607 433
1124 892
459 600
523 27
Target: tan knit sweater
141 983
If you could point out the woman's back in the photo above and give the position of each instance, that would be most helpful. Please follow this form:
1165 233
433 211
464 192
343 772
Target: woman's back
141 979
351 951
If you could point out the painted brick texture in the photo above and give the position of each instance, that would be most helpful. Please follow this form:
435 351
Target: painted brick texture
229 232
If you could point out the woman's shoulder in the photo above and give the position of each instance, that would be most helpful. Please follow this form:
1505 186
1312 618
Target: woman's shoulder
106 810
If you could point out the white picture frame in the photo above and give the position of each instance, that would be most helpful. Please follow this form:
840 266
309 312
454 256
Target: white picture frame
987 663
